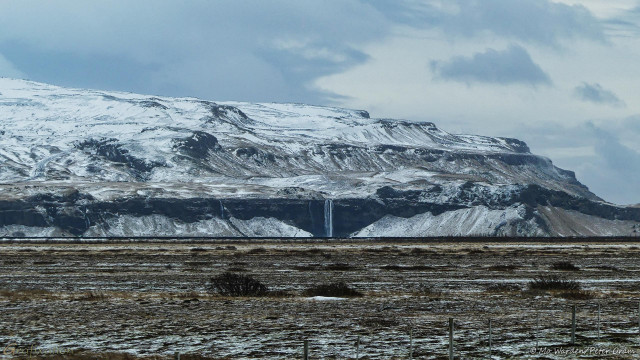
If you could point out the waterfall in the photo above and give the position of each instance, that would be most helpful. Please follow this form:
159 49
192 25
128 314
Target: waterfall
311 217
221 210
328 218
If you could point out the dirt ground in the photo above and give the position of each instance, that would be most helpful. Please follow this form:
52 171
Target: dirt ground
151 300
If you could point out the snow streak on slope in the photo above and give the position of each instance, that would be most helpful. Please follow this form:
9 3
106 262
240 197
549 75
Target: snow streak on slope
153 225
477 221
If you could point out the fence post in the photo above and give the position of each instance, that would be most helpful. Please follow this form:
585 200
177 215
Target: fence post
598 321
450 338
537 327
411 343
489 338
573 324
306 350
176 356
639 317
358 348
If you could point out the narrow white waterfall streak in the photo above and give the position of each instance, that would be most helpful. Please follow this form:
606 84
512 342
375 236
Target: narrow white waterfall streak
328 218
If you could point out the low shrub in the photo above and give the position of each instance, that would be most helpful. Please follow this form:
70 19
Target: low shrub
379 322
231 284
281 293
503 267
475 251
607 268
92 296
419 251
340 267
428 290
197 263
576 295
255 251
237 269
502 287
339 289
564 266
306 267
306 252
554 283
396 267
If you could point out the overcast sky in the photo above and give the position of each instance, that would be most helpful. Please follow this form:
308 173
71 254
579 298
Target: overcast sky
560 75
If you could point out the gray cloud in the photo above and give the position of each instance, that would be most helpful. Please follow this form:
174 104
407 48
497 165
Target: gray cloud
7 69
616 155
539 21
228 49
597 94
243 49
619 164
597 155
510 66
631 123
626 24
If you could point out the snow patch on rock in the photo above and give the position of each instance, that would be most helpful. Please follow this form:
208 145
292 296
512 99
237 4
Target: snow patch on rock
476 221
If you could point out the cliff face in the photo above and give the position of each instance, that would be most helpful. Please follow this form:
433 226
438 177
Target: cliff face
479 210
92 163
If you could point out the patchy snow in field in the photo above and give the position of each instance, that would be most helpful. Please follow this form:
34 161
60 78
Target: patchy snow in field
154 299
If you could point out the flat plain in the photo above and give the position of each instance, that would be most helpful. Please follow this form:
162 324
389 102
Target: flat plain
149 300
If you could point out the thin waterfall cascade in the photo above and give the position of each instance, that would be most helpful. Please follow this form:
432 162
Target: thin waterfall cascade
311 214
328 218
221 210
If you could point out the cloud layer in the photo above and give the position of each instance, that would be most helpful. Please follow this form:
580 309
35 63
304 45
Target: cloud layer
510 66
7 69
536 21
241 49
595 93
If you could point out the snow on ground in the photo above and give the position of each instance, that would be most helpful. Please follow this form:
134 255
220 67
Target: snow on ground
154 299
42 125
476 221
156 225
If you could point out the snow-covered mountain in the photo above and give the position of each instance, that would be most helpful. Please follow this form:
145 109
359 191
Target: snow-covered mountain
96 163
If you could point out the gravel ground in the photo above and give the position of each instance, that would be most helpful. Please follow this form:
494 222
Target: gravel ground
150 300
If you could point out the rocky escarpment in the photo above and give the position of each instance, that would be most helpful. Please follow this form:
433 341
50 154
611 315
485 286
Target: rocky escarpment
92 163
76 214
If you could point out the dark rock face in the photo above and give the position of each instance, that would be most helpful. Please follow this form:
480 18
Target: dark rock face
517 145
152 103
198 145
224 113
259 156
537 195
299 193
364 114
67 212
396 148
351 215
74 212
111 150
